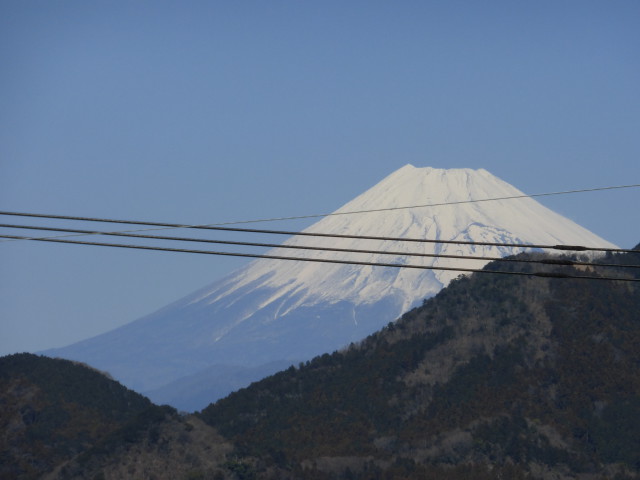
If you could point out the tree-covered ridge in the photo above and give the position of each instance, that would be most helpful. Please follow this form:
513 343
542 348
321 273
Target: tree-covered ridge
496 377
61 420
157 444
53 409
532 374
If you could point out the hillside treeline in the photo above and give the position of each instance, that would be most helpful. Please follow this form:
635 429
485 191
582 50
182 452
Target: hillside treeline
497 376
531 376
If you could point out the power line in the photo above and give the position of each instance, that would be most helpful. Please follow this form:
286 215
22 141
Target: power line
320 215
324 260
512 197
565 248
459 202
565 262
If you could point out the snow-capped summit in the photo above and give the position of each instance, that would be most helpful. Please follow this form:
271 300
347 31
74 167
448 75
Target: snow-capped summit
276 310
508 221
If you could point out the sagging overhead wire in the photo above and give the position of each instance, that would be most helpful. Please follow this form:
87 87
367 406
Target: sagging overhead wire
325 260
550 261
459 202
565 248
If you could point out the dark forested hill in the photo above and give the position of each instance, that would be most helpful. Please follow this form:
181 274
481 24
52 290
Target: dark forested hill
52 409
60 419
497 376
518 377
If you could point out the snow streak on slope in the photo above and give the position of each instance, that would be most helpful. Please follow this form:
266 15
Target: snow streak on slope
274 311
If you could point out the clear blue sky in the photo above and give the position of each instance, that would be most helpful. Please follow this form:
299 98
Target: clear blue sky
203 112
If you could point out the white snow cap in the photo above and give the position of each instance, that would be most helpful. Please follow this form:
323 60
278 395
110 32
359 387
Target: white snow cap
520 220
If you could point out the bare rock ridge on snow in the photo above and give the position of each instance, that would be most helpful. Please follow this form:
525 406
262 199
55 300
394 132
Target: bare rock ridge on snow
272 313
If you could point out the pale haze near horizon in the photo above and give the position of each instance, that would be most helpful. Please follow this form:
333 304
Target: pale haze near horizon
211 112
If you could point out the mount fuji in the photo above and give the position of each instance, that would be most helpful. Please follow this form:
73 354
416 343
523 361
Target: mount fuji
273 313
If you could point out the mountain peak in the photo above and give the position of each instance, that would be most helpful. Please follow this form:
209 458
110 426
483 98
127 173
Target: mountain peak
411 186
270 311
